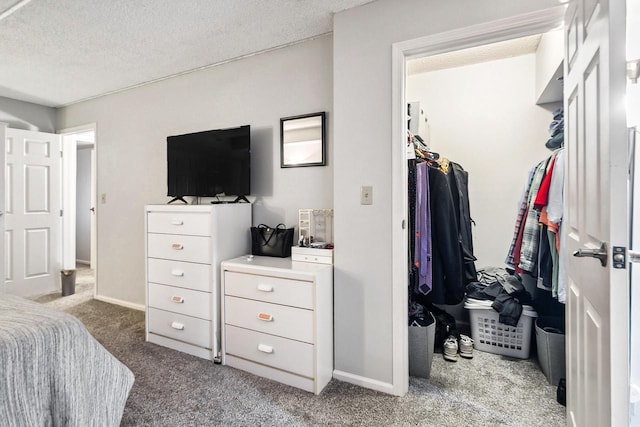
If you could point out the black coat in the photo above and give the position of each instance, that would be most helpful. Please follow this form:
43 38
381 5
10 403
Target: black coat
452 246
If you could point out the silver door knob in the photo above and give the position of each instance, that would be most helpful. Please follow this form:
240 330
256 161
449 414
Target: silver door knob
600 253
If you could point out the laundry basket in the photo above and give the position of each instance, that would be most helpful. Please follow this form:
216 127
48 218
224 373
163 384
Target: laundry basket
494 337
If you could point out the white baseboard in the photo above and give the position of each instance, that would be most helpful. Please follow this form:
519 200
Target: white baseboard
83 262
120 302
364 382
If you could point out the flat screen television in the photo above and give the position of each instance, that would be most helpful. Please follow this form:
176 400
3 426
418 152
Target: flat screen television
209 163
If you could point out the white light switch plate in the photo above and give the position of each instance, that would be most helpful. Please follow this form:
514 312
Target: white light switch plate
366 195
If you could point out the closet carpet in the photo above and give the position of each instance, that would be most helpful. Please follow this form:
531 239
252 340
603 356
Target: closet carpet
176 389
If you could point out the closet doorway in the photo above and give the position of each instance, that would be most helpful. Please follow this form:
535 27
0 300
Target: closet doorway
480 108
611 382
79 201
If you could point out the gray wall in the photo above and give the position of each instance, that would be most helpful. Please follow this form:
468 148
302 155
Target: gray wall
362 124
131 131
27 116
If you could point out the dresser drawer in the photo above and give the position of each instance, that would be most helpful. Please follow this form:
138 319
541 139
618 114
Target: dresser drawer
281 353
180 327
190 223
270 289
180 300
274 319
179 248
181 274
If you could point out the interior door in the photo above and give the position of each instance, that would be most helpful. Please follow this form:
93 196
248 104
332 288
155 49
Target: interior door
32 218
596 216
3 137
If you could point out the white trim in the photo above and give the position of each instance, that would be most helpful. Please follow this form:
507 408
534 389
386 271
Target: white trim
517 26
69 150
115 301
364 382
399 239
476 35
13 9
78 129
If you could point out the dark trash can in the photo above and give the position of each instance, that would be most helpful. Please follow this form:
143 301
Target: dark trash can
550 340
421 344
68 282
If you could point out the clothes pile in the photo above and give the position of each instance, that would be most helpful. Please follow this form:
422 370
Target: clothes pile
556 130
503 291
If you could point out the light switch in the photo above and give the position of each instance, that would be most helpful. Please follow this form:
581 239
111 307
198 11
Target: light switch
366 195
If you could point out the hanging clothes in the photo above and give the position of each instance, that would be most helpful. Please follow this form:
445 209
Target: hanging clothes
517 235
531 231
464 222
555 206
441 245
537 243
423 242
452 249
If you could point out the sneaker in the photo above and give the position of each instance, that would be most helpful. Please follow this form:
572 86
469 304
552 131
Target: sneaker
450 349
466 347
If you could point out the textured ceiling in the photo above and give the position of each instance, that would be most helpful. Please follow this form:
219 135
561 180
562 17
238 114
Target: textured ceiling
57 52
474 55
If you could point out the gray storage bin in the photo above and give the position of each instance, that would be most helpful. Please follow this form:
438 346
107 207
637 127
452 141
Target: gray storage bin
421 343
551 348
68 278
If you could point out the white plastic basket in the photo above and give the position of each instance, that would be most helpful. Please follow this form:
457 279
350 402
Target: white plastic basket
494 337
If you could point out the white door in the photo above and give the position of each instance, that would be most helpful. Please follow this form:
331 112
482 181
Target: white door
32 218
3 136
596 201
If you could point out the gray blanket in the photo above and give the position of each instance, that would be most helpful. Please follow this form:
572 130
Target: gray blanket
53 372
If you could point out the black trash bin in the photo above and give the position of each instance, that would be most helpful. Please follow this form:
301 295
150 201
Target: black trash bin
551 347
68 282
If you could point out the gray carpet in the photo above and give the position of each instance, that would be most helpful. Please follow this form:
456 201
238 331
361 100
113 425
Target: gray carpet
175 389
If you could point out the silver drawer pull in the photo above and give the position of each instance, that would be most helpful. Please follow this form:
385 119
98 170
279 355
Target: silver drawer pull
265 348
266 317
177 246
177 273
177 299
178 326
265 288
177 222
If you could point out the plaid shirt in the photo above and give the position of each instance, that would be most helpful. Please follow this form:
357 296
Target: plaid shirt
531 232
523 203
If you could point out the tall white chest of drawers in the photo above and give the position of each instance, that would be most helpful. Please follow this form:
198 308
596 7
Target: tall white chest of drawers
278 320
184 247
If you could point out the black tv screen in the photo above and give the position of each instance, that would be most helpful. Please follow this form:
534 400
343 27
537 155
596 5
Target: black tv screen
209 163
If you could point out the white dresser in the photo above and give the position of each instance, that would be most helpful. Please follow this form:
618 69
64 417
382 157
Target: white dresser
278 320
184 247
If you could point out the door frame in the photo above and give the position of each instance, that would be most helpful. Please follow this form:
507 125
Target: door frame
504 29
69 169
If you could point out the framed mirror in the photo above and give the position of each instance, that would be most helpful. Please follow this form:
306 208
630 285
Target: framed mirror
303 140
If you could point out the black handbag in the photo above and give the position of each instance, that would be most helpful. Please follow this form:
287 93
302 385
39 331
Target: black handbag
271 241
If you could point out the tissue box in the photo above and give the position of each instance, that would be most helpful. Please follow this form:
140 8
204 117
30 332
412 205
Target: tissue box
318 256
